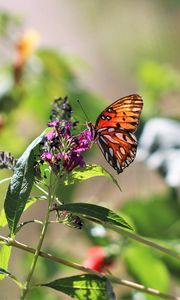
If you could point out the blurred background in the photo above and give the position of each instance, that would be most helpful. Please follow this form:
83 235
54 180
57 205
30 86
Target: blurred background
98 51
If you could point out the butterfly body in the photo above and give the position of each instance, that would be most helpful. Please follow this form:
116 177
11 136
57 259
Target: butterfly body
114 131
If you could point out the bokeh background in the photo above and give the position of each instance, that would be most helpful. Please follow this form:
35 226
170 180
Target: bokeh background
98 51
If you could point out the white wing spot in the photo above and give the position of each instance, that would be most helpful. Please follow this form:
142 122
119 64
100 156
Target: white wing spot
131 153
107 156
102 139
118 165
122 150
118 154
101 129
111 129
111 152
119 135
135 109
109 138
133 137
128 101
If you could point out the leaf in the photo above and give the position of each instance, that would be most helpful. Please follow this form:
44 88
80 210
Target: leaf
89 171
146 267
20 186
5 252
96 213
3 220
2 271
84 287
142 210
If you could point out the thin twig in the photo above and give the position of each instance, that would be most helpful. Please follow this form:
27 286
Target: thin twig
79 267
41 189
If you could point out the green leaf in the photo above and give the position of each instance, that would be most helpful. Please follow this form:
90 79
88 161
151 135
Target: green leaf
96 213
142 210
84 287
3 220
5 252
20 186
146 268
89 171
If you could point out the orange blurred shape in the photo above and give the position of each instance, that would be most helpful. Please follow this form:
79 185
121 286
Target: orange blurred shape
27 44
24 50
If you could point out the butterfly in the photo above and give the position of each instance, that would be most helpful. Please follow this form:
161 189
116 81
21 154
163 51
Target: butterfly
114 131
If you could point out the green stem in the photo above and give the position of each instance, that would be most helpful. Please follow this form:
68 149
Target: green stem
26 286
140 239
33 265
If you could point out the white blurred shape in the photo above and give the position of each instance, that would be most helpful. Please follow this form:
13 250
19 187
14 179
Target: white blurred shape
159 148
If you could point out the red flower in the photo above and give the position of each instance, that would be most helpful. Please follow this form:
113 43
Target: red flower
97 259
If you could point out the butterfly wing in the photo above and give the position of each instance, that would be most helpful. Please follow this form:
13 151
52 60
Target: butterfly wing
123 113
114 131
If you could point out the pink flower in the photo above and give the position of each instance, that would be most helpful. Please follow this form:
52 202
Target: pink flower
54 123
47 156
50 135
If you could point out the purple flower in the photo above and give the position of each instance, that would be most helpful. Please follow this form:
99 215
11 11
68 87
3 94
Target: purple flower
67 130
88 134
47 156
54 123
62 149
50 135
74 161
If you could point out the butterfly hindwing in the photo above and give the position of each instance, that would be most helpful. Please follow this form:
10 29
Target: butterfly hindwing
118 147
114 131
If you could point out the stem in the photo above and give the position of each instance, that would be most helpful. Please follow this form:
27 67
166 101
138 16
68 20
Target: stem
134 285
41 239
142 288
140 239
41 189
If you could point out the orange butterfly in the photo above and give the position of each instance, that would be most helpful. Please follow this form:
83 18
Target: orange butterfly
114 131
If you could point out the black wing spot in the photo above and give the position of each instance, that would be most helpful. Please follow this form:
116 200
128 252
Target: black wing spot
108 118
118 125
124 137
103 117
124 119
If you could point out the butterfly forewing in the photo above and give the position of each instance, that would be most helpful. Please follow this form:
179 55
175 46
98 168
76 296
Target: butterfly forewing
123 113
114 130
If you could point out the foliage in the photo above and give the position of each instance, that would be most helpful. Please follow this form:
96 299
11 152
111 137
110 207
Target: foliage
54 164
157 80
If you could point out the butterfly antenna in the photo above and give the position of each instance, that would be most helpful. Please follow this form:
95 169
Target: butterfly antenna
83 110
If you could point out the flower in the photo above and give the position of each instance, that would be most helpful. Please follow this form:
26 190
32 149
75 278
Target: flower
60 148
97 259
50 135
53 123
47 156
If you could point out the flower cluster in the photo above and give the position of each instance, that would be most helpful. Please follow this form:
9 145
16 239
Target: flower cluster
62 149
